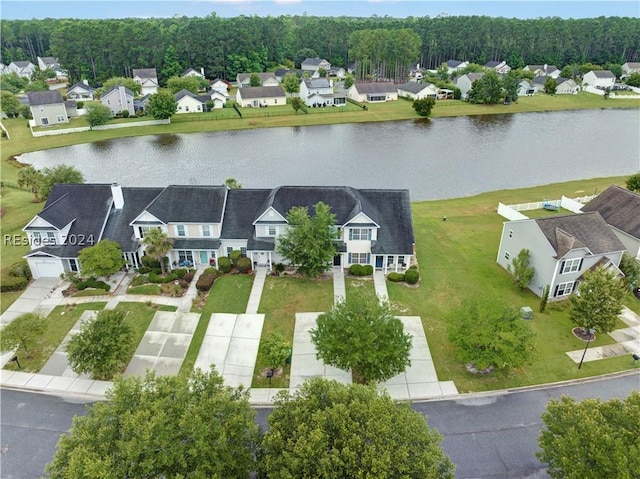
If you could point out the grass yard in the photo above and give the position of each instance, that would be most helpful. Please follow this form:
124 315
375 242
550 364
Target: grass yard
363 285
282 298
229 294
154 289
61 320
458 260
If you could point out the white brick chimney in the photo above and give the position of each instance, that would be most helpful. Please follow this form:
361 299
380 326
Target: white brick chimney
118 198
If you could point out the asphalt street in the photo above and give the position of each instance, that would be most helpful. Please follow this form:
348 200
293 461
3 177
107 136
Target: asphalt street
487 436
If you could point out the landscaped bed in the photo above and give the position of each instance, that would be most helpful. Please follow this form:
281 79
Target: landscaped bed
150 281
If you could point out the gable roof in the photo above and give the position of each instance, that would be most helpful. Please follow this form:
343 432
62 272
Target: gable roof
317 82
633 64
189 204
588 230
184 92
492 64
240 212
415 87
23 63
49 61
84 86
313 61
115 88
549 69
191 70
619 207
376 87
603 74
44 97
261 91
145 73
453 63
242 77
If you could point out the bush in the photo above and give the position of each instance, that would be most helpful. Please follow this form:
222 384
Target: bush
184 284
412 276
80 105
224 264
205 281
279 267
212 271
235 255
93 283
356 270
125 113
188 276
179 273
395 277
139 280
368 270
243 264
20 269
13 283
413 266
150 262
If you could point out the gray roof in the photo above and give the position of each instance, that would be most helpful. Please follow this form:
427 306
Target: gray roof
184 92
603 74
84 86
473 76
376 87
619 207
115 88
189 204
196 243
550 68
261 91
413 87
453 63
22 63
44 97
492 64
241 211
49 61
317 83
190 70
263 76
145 73
589 230
313 61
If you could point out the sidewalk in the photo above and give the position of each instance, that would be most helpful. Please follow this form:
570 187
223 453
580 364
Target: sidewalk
339 290
380 284
41 295
256 291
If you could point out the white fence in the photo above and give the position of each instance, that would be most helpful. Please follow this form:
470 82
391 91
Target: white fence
5 130
102 127
592 89
512 212
508 212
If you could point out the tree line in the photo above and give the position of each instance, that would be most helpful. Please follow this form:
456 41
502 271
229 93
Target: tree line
99 49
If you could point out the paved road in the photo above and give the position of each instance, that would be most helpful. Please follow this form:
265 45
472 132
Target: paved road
492 436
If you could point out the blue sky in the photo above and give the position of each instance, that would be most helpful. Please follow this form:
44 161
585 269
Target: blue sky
20 9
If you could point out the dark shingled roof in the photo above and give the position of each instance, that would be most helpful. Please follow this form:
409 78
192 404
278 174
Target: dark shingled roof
44 97
81 85
577 231
261 91
115 88
453 63
145 73
619 207
317 83
184 92
118 229
196 243
241 211
395 235
189 204
376 87
603 74
413 87
263 76
492 64
22 63
313 61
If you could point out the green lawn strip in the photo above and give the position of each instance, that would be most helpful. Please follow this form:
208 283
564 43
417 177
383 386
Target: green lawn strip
364 285
91 292
7 299
632 303
229 294
145 289
61 320
139 316
282 298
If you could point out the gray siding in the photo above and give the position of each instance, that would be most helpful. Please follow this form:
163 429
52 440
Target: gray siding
51 113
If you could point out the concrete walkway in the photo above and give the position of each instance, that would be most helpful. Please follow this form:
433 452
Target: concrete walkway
380 284
256 291
627 341
339 290
41 295
190 294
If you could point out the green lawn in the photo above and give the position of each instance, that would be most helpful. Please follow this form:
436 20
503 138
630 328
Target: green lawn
229 294
363 285
61 320
457 260
154 289
282 298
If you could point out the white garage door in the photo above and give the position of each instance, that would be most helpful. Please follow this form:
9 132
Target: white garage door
46 268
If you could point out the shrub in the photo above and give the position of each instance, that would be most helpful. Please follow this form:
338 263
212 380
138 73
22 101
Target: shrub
212 271
279 267
139 280
395 277
205 281
224 264
20 269
179 273
356 270
80 105
184 284
13 283
412 276
413 266
125 113
368 270
150 262
188 276
93 283
235 255
243 264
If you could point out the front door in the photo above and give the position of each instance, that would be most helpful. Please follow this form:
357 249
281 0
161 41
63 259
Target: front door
379 261
204 257
336 260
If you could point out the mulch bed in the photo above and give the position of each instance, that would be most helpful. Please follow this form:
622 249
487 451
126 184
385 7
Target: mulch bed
583 335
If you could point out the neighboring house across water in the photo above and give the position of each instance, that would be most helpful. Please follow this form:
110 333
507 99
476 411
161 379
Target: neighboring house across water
500 67
4 69
24 69
599 79
543 70
192 72
47 108
564 86
620 208
261 96
561 249
266 79
118 98
140 104
147 78
318 92
312 66
465 82
81 91
208 222
630 67
189 102
525 88
373 92
417 91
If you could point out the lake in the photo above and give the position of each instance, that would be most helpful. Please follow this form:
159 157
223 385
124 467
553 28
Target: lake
434 159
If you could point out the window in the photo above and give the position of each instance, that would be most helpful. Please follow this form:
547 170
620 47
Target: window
229 250
564 289
206 230
180 230
145 229
44 120
61 118
359 234
41 108
37 238
243 250
507 256
571 265
510 233
275 100
272 231
185 258
108 102
51 238
401 260
186 108
360 258
73 265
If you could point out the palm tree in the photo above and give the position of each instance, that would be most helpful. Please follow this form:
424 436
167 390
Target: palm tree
158 245
31 179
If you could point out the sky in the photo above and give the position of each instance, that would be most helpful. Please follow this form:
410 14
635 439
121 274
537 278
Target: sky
21 9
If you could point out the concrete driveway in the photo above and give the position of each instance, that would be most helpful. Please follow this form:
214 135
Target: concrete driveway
34 298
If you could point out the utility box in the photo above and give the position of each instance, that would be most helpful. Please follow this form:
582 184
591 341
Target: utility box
526 312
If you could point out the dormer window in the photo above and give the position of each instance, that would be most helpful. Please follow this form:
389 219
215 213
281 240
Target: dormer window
272 231
181 230
37 238
356 234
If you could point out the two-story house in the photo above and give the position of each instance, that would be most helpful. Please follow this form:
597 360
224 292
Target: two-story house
561 249
266 79
118 98
318 92
500 67
543 70
599 79
465 82
147 78
47 108
207 222
81 91
312 66
22 68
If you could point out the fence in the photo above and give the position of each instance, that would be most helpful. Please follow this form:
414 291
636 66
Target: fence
101 127
512 212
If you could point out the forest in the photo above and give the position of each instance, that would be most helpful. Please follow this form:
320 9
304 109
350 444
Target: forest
100 49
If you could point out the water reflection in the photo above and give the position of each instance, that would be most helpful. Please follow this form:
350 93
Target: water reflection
167 141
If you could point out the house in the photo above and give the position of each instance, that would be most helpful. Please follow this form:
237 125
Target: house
620 208
4 69
500 67
220 85
47 108
566 86
219 99
630 67
52 64
266 79
208 222
599 79
140 104
118 98
313 66
261 96
561 249
373 92
337 72
417 91
24 69
80 91
465 82
318 92
71 107
191 72
280 73
148 78
543 70
525 88
189 102
455 65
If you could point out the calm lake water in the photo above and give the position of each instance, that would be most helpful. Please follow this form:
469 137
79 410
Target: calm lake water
434 159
